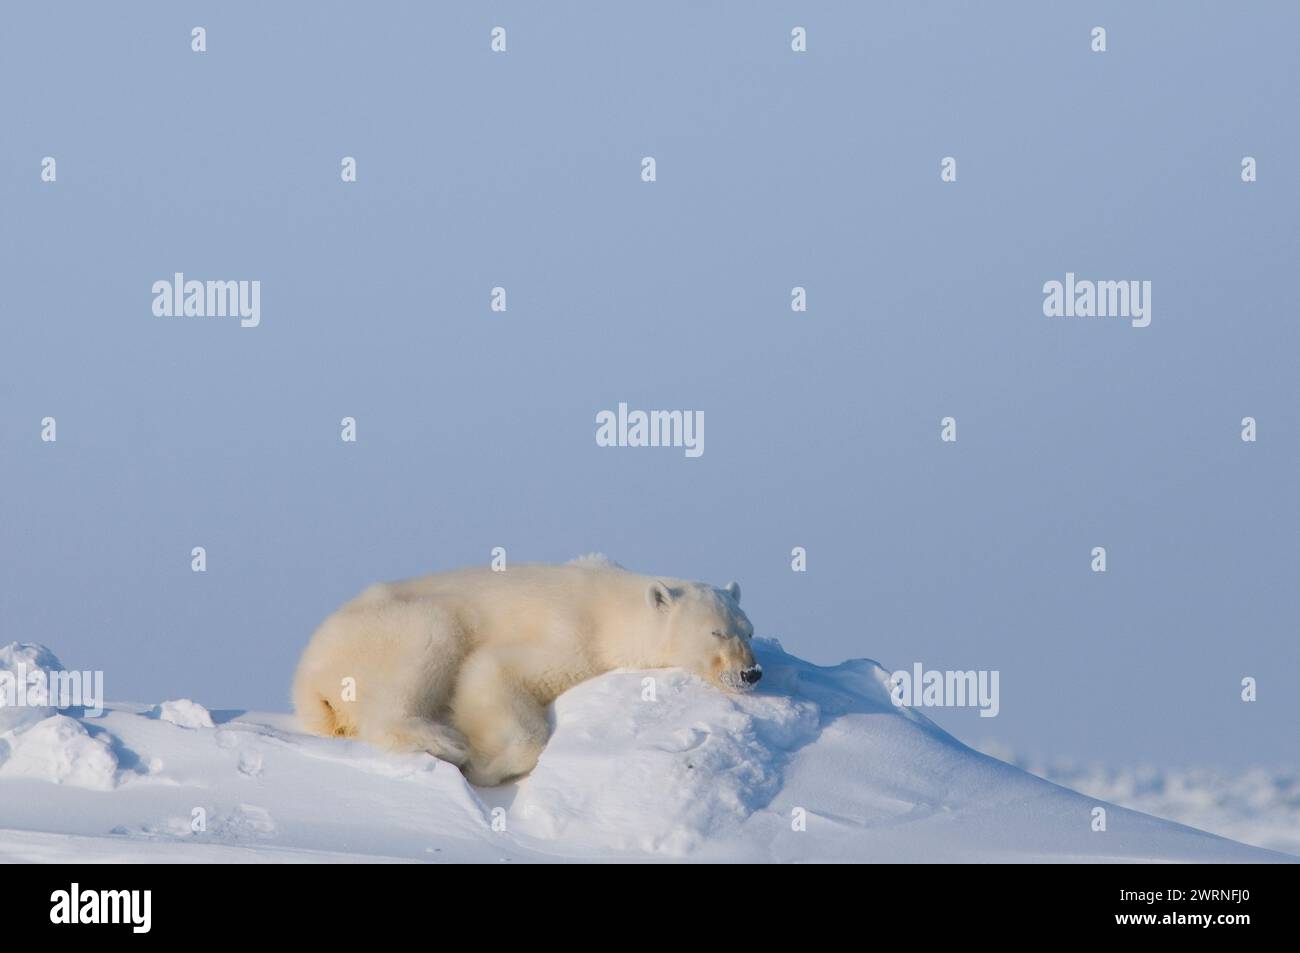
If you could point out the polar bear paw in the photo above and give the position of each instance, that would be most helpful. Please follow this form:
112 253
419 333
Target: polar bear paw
516 760
420 734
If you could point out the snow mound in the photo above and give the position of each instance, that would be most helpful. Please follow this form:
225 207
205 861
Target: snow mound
817 765
60 750
39 741
693 763
184 714
25 667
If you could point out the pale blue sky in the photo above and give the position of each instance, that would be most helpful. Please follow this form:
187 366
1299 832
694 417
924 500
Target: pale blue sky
774 170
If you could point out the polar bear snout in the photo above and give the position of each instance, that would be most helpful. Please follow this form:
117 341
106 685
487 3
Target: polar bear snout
741 680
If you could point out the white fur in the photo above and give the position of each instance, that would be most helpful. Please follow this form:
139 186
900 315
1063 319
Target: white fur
462 664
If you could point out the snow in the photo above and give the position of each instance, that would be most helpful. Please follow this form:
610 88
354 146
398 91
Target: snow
818 765
1258 805
594 561
60 750
184 714
32 664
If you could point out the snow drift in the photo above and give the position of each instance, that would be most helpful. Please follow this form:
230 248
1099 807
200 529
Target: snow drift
1259 805
818 765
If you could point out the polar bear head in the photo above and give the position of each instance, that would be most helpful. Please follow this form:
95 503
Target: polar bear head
706 631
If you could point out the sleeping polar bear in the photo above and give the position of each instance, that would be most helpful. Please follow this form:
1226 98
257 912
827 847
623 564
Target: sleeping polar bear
463 664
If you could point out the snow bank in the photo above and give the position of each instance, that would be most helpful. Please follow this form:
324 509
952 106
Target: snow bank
60 750
664 763
36 740
30 665
818 765
1259 806
184 714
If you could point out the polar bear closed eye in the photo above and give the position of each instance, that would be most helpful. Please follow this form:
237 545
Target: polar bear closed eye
463 664
707 632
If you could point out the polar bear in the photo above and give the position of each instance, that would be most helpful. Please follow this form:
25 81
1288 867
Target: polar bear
463 664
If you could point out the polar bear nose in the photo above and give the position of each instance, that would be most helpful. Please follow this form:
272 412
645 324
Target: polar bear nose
751 675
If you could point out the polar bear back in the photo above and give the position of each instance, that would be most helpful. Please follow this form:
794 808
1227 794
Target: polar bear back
535 604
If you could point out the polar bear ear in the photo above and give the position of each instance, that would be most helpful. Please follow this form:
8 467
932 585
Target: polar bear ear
658 596
733 589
